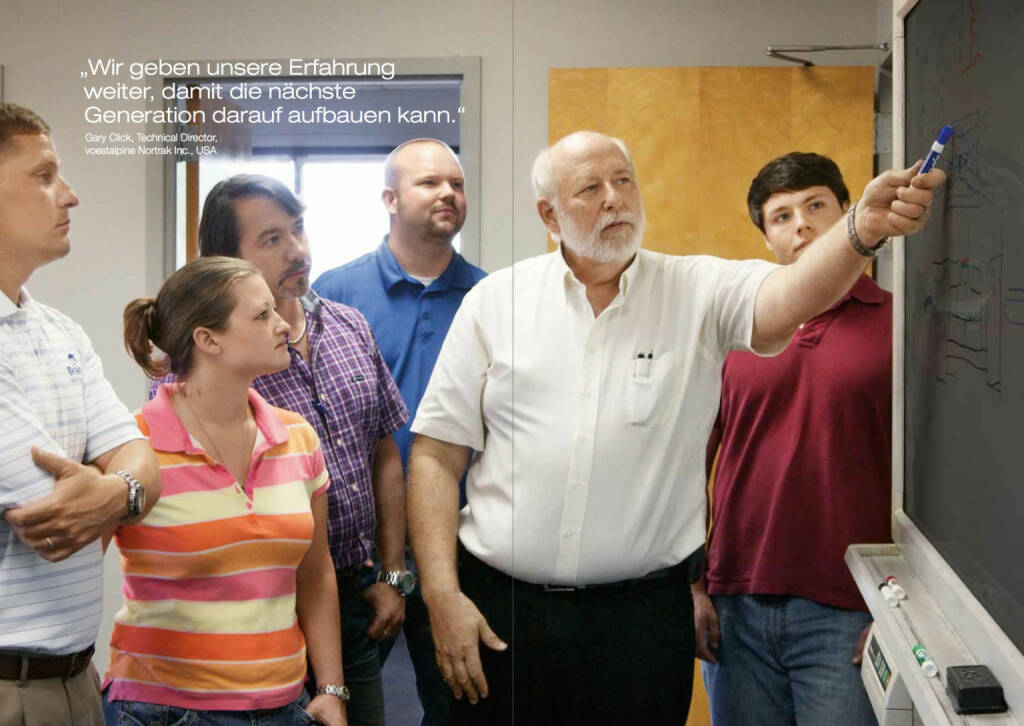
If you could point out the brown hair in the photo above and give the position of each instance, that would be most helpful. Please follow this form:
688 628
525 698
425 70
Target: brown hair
793 172
219 229
19 120
199 295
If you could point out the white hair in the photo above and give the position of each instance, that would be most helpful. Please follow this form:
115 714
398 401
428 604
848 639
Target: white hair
543 173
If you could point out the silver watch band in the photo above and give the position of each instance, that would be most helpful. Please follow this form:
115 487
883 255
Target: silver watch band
851 232
135 494
331 689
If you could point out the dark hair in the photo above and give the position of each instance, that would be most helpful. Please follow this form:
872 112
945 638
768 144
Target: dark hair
19 120
218 228
793 172
199 295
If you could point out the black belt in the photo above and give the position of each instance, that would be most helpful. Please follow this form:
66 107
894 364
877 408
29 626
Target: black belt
21 667
689 569
681 570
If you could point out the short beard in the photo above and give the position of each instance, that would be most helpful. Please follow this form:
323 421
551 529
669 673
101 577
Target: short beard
591 245
295 291
300 287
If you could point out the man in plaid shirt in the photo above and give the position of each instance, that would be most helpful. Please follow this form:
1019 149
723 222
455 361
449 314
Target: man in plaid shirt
339 382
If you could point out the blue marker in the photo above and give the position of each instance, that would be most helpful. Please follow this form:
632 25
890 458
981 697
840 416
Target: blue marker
933 155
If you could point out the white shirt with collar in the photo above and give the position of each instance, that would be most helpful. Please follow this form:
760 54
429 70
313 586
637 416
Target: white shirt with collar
53 396
591 461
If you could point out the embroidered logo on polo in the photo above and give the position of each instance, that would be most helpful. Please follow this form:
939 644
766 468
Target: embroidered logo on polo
74 367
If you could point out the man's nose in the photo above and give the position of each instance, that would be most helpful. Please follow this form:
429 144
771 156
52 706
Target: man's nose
298 245
612 196
446 191
68 196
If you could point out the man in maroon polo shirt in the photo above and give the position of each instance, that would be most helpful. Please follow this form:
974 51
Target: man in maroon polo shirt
804 471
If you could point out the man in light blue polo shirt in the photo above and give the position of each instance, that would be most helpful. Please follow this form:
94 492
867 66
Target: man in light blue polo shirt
73 464
409 290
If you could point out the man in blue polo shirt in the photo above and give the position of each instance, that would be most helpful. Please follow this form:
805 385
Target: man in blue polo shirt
409 290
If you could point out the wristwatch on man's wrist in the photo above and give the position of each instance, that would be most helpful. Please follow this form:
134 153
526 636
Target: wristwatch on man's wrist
331 689
851 233
136 495
402 580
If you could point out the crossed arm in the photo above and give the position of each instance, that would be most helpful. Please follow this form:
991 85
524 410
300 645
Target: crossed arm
87 502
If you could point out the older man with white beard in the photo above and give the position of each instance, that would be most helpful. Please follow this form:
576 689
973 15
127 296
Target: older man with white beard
588 380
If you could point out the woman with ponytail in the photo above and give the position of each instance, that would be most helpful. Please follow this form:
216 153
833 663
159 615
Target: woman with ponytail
228 582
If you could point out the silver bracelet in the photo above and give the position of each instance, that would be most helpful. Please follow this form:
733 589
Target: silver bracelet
851 232
331 689
136 495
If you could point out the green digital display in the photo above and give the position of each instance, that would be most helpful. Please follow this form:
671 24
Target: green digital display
878 662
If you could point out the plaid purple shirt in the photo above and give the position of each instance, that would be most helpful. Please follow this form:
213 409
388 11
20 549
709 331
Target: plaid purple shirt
349 397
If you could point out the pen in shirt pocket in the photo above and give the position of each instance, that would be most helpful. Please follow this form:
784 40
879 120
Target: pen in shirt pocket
642 364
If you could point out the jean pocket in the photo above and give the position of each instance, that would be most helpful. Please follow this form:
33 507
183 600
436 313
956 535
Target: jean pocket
139 713
302 717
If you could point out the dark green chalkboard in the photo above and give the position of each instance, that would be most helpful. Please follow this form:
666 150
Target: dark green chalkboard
964 364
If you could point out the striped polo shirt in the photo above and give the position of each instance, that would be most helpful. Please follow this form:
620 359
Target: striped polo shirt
209 618
53 396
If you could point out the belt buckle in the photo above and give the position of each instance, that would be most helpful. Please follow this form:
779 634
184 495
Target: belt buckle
23 674
73 663
561 588
79 660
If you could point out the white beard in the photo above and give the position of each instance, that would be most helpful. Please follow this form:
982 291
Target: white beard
591 245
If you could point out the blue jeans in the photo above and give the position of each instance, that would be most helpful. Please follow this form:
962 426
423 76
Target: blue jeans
786 660
139 713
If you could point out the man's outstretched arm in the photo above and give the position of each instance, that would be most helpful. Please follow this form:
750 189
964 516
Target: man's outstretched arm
894 203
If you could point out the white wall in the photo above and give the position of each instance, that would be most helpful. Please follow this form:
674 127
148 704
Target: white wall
43 46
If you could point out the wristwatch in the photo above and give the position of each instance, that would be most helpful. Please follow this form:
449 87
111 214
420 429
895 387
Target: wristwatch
851 233
136 495
402 580
329 689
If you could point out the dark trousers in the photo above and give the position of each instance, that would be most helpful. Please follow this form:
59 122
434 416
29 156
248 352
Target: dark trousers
606 655
359 658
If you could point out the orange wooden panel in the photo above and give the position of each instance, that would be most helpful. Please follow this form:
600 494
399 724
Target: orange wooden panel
700 711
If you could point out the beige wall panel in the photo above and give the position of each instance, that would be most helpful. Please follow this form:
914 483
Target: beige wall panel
745 121
699 135
836 116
